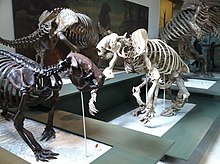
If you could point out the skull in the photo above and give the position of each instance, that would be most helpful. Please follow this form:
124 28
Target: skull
108 46
139 40
65 19
83 73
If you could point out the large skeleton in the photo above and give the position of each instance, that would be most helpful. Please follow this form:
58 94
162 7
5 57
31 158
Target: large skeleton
73 28
187 50
196 19
150 56
25 83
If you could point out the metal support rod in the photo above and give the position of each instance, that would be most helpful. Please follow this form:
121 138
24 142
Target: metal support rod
146 89
84 124
164 94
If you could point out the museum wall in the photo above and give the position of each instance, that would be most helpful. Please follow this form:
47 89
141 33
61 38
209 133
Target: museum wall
7 27
6 21
154 15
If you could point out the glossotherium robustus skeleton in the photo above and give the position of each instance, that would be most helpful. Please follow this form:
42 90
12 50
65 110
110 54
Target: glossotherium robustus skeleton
196 19
150 56
74 29
25 83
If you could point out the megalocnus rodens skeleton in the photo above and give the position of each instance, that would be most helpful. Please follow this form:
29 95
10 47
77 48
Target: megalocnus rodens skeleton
26 83
150 56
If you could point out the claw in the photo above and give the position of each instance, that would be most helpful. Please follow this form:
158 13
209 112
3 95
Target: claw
8 116
138 112
149 114
48 133
169 112
45 155
92 107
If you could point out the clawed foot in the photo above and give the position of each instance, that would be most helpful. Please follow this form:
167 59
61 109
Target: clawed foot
140 110
8 116
169 112
44 155
147 116
47 134
92 108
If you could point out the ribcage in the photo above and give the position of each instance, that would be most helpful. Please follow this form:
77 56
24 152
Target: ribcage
82 34
214 21
165 58
161 56
9 95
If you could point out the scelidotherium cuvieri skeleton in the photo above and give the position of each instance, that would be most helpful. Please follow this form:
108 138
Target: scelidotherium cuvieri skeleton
25 83
150 56
74 29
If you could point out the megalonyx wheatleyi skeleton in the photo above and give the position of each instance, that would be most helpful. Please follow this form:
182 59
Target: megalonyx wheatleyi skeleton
150 56
195 19
25 83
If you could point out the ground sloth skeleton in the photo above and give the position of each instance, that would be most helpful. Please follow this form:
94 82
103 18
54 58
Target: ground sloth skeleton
150 56
76 30
25 83
195 19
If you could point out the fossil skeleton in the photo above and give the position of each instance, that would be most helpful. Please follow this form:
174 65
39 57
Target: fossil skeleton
187 50
196 19
74 29
25 83
152 57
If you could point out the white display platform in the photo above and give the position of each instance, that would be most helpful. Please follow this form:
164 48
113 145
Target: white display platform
158 125
198 83
70 147
216 75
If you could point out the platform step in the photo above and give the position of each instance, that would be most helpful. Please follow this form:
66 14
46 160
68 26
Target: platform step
191 129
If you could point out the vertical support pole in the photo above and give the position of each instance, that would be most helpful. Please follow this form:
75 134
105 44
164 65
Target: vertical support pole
84 124
146 89
164 93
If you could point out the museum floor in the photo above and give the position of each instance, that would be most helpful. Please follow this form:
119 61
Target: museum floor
194 139
207 152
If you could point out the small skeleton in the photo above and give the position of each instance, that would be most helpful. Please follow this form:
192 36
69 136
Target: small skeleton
24 82
150 56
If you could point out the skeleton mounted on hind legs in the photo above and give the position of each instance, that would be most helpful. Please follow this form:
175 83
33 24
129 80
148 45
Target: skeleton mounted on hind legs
195 19
74 29
25 83
152 57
